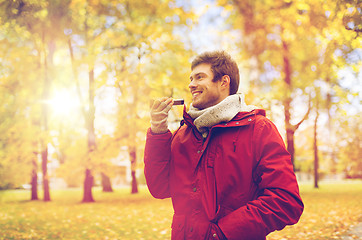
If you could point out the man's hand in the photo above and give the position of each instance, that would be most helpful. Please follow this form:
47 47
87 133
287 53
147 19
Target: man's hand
159 114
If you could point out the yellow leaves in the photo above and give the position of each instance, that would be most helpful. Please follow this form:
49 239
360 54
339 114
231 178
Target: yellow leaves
134 27
222 2
329 212
42 14
78 3
288 35
10 29
116 215
229 8
302 6
82 11
357 67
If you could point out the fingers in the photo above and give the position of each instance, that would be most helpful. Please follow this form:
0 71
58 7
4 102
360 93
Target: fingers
156 103
159 114
162 104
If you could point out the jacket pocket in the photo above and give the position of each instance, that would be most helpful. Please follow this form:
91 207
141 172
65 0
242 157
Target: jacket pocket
222 211
178 227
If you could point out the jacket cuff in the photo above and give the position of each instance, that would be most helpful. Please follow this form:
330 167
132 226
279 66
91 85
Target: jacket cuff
155 133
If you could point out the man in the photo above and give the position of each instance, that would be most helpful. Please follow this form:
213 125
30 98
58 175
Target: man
226 168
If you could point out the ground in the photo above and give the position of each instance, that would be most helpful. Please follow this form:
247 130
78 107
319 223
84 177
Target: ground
331 212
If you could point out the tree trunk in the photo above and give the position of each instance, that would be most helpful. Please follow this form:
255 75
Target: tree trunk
88 181
87 186
290 129
132 153
106 183
315 146
44 164
89 121
132 149
287 101
331 143
134 183
290 145
34 179
46 90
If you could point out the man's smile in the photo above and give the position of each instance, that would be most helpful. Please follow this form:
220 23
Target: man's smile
196 93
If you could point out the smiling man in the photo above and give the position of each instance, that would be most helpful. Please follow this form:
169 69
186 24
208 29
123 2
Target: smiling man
205 91
226 168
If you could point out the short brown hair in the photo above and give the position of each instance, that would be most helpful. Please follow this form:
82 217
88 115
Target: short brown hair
221 64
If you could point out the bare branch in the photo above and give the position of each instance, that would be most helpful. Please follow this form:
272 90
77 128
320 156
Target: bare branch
296 126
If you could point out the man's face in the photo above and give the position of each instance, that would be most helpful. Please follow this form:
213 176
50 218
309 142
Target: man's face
205 92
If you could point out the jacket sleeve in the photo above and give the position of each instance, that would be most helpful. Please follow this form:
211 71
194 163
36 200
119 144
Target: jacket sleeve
157 161
278 203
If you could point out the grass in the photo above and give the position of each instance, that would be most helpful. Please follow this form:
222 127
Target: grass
329 212
117 215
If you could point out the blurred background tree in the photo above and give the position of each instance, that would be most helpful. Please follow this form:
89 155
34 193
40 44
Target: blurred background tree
77 76
295 48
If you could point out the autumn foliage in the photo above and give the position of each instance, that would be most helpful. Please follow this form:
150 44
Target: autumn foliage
76 79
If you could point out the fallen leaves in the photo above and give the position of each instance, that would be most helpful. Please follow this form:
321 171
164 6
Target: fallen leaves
117 215
329 213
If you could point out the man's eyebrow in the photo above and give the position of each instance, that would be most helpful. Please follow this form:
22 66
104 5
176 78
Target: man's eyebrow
197 74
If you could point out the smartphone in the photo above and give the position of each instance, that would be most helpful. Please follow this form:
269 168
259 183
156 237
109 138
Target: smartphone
178 102
175 102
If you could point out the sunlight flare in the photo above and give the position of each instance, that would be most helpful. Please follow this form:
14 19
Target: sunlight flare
63 103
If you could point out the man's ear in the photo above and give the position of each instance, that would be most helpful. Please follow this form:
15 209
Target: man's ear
225 81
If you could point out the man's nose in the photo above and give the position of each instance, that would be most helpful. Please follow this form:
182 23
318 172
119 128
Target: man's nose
192 85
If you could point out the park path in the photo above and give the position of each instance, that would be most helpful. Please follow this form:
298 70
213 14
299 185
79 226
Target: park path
354 233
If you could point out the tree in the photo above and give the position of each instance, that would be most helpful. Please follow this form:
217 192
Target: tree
21 105
315 144
140 34
89 115
338 50
283 40
349 145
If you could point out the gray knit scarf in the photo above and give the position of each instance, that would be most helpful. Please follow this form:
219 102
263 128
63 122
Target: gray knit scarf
222 112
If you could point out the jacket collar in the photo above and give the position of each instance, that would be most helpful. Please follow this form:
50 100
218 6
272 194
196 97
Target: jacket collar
241 119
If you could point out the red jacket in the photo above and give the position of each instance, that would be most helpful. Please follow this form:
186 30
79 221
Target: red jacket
237 184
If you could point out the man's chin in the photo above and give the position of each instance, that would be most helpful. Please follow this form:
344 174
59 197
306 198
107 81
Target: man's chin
197 105
194 104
